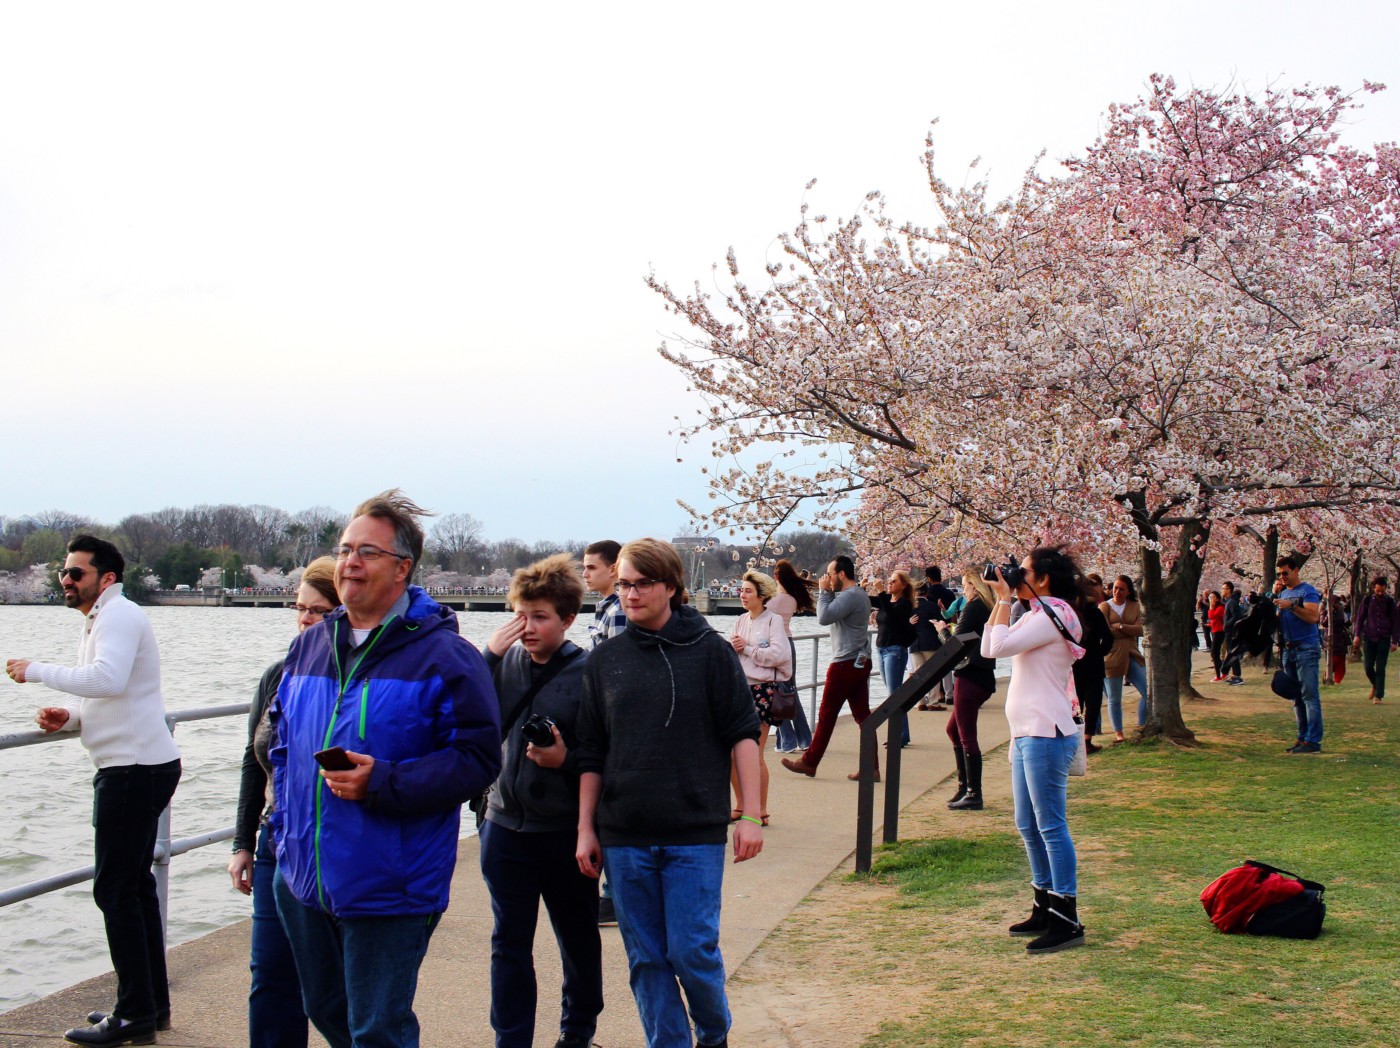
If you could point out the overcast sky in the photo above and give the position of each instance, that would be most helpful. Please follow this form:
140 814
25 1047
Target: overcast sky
297 253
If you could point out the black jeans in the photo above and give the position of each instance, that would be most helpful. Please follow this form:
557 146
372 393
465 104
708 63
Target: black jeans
1376 653
126 805
520 869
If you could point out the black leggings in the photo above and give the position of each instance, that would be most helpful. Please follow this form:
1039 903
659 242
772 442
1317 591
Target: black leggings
1217 645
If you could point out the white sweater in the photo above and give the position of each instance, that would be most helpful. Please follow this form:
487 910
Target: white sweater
122 715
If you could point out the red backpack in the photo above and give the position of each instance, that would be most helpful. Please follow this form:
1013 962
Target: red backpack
1264 900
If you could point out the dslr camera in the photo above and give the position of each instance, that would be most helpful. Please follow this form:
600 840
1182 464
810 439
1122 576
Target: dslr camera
538 731
1011 571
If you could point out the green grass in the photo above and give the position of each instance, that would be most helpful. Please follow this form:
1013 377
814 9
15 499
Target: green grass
1153 826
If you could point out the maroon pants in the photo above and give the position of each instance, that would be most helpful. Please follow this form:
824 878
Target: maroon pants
962 725
844 683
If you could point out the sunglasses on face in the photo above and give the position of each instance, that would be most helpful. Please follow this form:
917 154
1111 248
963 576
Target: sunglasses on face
76 574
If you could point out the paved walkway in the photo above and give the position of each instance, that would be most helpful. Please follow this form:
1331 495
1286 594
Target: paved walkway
812 833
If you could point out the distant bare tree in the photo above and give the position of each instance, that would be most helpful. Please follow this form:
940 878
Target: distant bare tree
65 523
455 542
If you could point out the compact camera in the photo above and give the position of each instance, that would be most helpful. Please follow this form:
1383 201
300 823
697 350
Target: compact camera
1012 572
538 731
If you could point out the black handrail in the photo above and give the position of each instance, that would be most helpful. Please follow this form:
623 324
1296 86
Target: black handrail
894 710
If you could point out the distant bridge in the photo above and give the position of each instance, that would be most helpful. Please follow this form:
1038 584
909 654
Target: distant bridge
221 598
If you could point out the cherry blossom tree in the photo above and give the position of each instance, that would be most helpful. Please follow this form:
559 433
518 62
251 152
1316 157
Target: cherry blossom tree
1194 326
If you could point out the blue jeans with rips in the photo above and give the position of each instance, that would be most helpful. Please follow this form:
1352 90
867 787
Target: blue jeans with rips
358 974
1039 787
1303 664
668 903
795 734
893 659
275 1015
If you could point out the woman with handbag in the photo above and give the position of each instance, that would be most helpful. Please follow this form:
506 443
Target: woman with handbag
1124 615
1043 646
794 597
765 652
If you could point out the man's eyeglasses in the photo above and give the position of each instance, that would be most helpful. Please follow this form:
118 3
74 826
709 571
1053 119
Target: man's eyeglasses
76 574
640 585
366 552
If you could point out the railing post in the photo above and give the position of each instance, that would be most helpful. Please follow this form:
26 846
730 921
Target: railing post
894 756
812 706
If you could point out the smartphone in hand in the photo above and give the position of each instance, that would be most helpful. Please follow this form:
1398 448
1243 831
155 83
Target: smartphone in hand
334 759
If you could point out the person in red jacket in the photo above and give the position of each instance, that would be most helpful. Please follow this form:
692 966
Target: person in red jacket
1215 623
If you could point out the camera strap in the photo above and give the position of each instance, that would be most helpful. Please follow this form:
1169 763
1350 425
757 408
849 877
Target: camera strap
550 671
1075 647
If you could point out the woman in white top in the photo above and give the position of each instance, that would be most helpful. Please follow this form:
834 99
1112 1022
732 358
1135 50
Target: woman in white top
1040 709
766 655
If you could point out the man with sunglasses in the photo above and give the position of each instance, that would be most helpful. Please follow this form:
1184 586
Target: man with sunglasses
367 831
120 719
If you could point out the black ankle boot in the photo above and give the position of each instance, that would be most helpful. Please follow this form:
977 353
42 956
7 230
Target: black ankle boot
1065 930
962 776
972 799
1039 920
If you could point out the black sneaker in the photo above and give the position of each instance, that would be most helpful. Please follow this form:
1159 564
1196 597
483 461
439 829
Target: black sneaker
1308 747
607 913
1295 747
573 1040
1235 682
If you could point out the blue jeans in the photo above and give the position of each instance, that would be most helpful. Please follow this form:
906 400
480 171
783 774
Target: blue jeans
893 659
668 901
795 734
520 869
276 1018
1039 787
1137 677
1303 664
358 974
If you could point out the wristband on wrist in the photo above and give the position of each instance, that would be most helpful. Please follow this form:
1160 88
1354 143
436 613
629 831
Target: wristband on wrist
750 818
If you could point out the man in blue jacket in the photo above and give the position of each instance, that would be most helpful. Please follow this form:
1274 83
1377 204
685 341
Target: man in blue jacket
366 853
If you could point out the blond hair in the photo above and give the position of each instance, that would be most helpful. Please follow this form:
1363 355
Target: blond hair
658 560
320 576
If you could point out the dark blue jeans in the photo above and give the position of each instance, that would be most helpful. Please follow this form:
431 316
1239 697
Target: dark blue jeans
1376 653
668 902
520 869
276 1018
358 974
893 659
1303 664
126 806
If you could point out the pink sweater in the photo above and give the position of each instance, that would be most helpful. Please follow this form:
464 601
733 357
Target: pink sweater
767 653
1042 683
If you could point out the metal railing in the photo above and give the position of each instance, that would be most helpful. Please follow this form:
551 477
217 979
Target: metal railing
166 849
894 710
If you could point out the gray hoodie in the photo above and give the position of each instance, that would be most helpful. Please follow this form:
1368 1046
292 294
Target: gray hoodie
848 615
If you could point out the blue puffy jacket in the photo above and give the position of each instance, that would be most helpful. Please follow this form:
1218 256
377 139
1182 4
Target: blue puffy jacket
418 698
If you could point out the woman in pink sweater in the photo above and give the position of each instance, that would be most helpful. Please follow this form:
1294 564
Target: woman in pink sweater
1044 736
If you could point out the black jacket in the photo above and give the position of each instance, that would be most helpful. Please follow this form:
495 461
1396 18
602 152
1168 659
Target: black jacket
527 797
662 711
1097 641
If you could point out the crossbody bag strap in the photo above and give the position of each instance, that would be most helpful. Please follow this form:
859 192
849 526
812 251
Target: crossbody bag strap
550 672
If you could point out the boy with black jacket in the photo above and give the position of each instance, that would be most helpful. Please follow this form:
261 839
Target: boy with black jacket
528 838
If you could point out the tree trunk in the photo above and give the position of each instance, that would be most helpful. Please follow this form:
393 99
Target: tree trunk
1270 558
1167 604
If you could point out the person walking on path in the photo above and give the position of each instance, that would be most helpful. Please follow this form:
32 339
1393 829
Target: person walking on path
1215 629
794 596
665 710
844 607
120 719
1300 607
930 621
276 1018
600 575
1377 634
530 831
1098 641
765 652
403 713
